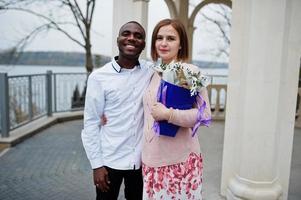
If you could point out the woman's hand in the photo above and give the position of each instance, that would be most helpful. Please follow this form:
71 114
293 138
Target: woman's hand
160 112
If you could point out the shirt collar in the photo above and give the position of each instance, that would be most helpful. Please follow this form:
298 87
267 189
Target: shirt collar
117 67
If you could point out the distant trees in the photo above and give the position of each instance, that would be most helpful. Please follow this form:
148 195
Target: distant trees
82 17
60 58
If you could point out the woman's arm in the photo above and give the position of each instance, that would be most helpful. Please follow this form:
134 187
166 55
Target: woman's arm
185 118
189 118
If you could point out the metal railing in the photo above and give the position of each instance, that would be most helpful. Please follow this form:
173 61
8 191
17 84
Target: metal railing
28 97
64 87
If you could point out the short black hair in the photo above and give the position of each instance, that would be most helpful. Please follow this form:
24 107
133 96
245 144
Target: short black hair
133 22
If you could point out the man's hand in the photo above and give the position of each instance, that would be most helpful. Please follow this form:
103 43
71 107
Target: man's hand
160 112
101 179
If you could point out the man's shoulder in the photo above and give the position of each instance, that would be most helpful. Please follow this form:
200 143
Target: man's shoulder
101 71
105 68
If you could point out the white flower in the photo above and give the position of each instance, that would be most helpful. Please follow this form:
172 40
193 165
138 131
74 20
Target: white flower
172 73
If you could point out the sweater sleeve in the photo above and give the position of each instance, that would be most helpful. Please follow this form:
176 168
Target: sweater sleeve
195 117
183 118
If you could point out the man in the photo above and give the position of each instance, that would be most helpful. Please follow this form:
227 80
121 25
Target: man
116 91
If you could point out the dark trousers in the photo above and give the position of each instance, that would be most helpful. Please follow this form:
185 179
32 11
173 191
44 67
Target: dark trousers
133 185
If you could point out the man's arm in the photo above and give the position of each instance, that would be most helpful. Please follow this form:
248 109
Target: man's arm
94 106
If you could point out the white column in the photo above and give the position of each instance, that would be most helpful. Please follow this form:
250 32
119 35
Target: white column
182 10
182 14
262 87
128 10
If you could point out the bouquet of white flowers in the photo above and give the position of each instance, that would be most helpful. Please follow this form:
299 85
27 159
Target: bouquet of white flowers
175 73
178 89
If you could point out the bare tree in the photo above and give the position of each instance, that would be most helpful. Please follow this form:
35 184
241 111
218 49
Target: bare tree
222 21
216 18
82 17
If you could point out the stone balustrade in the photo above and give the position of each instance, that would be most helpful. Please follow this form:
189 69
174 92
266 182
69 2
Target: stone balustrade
217 96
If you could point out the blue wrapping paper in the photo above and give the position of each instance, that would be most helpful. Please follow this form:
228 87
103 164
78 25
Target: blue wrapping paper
176 97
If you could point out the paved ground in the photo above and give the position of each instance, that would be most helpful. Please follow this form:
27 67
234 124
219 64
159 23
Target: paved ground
52 165
295 178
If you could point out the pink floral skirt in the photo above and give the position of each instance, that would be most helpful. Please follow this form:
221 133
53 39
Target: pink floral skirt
178 181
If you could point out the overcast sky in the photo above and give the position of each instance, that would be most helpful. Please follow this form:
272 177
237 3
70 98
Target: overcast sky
14 25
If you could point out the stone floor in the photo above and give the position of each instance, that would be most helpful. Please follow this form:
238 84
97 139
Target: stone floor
52 165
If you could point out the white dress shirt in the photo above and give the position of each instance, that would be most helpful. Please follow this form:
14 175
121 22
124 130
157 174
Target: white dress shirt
117 93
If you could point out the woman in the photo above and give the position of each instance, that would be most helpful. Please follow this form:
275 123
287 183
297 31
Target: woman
172 166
